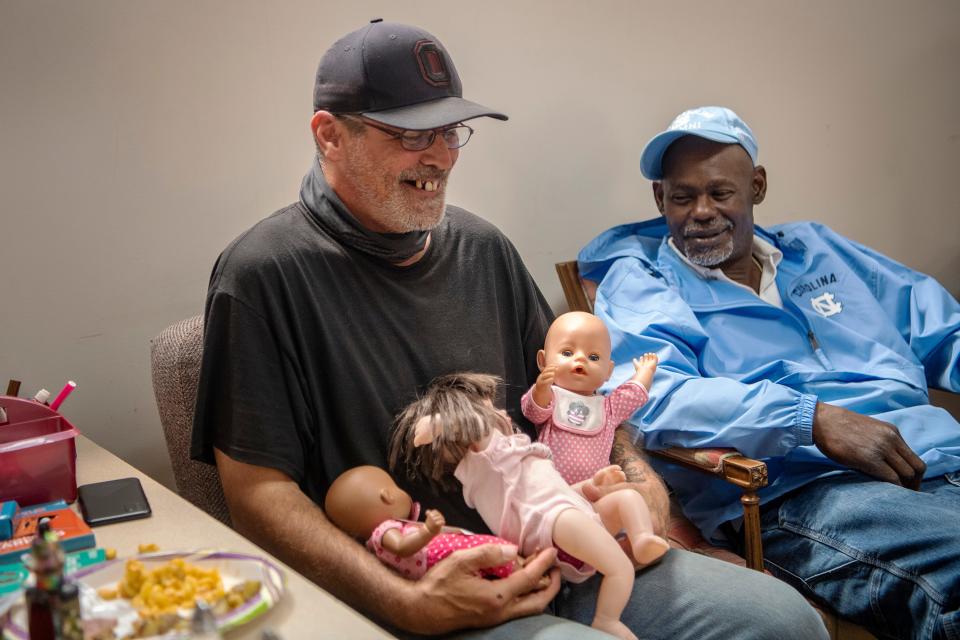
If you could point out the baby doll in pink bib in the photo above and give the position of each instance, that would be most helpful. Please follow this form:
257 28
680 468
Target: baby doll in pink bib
575 422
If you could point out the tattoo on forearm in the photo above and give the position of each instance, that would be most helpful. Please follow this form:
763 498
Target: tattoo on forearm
635 474
646 481
625 454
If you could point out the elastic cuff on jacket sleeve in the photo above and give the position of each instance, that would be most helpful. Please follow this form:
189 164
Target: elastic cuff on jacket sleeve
804 428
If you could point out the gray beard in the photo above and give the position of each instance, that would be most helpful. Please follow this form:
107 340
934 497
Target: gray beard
398 214
404 220
711 257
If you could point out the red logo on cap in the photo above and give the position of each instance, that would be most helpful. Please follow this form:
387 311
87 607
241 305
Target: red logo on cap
433 65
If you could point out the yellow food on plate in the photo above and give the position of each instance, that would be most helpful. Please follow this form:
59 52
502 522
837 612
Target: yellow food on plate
172 586
151 624
108 593
162 593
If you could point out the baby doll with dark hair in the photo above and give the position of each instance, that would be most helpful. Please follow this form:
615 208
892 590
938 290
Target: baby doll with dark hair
366 503
454 432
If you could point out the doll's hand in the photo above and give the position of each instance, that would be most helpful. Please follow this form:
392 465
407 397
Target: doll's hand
434 521
541 390
645 366
612 474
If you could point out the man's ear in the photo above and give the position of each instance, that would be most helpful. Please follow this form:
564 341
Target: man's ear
658 195
759 184
541 359
326 133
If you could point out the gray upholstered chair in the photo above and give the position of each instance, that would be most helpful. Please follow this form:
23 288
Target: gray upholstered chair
175 365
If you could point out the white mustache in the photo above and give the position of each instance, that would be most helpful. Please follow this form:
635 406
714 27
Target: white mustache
692 228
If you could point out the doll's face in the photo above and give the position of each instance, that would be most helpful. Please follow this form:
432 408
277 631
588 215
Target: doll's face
578 344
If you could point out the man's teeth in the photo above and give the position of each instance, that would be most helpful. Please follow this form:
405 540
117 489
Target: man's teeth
427 185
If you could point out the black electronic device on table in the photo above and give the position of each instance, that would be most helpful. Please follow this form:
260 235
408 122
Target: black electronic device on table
113 501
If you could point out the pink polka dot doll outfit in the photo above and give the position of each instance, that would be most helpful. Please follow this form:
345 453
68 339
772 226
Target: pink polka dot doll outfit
579 429
442 545
517 491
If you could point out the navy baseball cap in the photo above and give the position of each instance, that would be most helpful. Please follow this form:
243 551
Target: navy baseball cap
713 123
395 74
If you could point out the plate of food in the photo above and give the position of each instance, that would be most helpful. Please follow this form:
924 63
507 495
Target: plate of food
154 595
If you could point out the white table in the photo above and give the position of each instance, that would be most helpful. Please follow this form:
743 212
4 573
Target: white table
305 611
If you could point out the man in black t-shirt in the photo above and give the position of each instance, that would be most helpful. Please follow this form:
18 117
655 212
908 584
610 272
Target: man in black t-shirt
326 318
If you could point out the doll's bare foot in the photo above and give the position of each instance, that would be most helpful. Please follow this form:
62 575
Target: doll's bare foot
612 474
649 548
613 627
646 366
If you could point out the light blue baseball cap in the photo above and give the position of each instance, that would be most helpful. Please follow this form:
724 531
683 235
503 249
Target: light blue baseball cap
713 123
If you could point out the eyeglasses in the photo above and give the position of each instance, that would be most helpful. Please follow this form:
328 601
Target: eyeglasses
454 136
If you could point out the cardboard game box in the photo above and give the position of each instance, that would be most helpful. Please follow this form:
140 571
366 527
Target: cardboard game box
73 532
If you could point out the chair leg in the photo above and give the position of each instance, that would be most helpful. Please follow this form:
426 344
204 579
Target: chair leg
753 547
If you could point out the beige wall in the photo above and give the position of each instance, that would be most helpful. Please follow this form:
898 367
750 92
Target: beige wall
138 138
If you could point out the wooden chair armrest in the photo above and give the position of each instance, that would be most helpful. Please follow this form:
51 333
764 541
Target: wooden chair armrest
578 298
728 464
748 474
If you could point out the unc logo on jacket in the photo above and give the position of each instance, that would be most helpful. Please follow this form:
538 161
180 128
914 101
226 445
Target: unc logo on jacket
826 303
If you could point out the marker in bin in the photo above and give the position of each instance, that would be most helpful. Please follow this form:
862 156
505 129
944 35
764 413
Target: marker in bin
41 396
66 391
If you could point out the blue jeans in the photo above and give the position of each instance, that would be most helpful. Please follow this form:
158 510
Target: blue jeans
686 595
885 557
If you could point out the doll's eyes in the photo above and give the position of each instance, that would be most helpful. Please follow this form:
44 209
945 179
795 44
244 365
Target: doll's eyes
566 353
594 357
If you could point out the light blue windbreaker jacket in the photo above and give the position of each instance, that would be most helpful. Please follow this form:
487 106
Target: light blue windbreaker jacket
738 372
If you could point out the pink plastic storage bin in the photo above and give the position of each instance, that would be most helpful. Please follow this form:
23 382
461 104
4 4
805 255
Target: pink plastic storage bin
38 454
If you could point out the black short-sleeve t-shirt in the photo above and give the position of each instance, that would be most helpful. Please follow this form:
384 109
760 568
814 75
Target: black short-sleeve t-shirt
312 347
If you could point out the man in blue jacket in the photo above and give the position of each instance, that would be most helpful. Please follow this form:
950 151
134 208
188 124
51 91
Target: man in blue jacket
807 350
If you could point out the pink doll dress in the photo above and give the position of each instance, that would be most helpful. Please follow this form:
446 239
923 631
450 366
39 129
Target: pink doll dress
442 545
579 429
519 494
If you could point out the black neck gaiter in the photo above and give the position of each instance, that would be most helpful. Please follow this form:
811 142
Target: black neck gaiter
328 210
